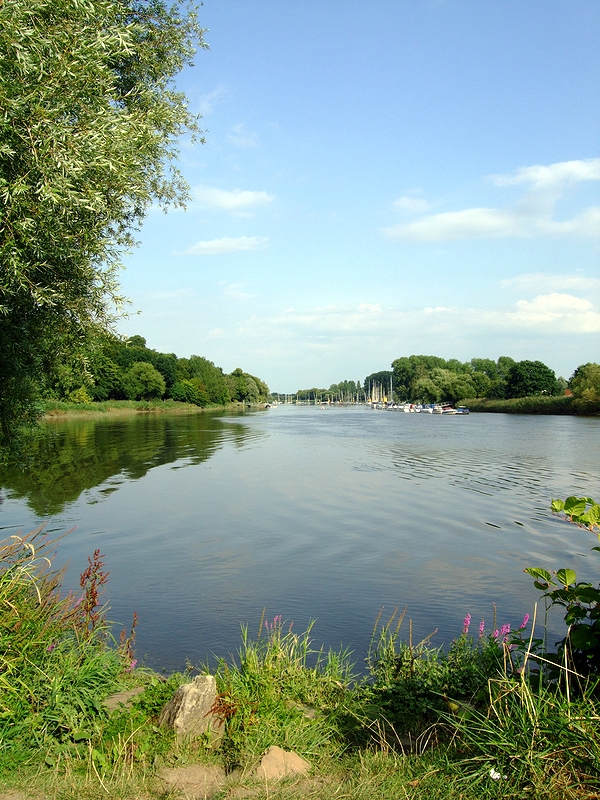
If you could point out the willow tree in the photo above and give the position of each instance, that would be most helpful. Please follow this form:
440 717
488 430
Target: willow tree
89 125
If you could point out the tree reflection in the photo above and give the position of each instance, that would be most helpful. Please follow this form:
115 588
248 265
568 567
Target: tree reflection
72 456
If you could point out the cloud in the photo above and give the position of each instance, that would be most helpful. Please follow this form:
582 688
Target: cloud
533 215
540 281
225 245
207 102
230 200
546 315
415 204
234 291
560 174
563 311
242 138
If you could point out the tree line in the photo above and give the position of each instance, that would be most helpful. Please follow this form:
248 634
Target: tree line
118 369
432 379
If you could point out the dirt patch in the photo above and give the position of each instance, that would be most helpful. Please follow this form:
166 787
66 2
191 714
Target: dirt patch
194 782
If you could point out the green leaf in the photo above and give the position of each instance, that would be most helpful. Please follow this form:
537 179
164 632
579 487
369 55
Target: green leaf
575 505
582 638
566 576
537 572
557 505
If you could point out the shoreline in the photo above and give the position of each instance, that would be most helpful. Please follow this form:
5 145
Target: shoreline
56 411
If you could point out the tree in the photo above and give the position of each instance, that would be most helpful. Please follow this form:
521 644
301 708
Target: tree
89 125
585 383
526 378
143 382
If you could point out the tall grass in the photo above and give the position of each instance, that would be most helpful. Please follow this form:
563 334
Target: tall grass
55 667
281 691
540 404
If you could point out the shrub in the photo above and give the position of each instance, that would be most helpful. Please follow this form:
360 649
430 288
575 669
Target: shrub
143 382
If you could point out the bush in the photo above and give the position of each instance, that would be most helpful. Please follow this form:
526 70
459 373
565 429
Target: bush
143 382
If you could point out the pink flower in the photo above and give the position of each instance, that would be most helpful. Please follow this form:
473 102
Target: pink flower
525 621
481 628
496 633
466 623
132 666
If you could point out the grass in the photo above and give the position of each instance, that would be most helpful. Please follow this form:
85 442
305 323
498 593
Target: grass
540 404
57 408
469 721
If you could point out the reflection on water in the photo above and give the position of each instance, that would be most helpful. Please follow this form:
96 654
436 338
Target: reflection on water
312 514
76 455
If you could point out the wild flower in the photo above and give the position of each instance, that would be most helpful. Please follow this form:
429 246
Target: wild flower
466 623
51 647
505 630
132 666
481 628
524 623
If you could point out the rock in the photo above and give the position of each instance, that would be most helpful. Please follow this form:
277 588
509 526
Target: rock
278 763
188 712
122 698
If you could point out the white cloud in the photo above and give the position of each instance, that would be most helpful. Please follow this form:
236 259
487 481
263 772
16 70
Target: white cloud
532 216
234 291
242 138
543 281
561 173
547 315
230 200
560 311
207 102
415 204
225 245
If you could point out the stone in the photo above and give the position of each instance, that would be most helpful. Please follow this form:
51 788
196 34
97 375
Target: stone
278 763
188 712
122 698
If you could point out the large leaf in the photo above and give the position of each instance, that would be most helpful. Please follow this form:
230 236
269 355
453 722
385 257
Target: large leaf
557 505
566 576
541 574
582 638
574 506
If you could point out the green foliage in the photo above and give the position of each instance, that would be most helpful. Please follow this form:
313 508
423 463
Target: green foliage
541 404
579 650
411 686
431 379
533 743
88 135
527 378
143 382
282 692
55 666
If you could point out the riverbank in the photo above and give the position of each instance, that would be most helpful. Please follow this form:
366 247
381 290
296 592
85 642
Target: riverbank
470 721
56 410
539 404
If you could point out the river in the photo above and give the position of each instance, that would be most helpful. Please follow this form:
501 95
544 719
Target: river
326 514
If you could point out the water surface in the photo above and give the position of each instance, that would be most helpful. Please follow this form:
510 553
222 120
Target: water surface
330 514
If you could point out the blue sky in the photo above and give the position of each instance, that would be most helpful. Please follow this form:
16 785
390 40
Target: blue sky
381 179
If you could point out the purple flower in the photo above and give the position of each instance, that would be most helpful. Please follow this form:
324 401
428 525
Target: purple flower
481 628
496 633
51 647
525 621
132 666
466 623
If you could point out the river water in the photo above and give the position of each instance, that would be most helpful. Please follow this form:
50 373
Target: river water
326 514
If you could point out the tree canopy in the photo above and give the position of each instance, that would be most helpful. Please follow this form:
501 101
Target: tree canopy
89 123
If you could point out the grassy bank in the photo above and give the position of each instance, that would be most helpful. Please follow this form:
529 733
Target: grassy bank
534 405
56 409
482 718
